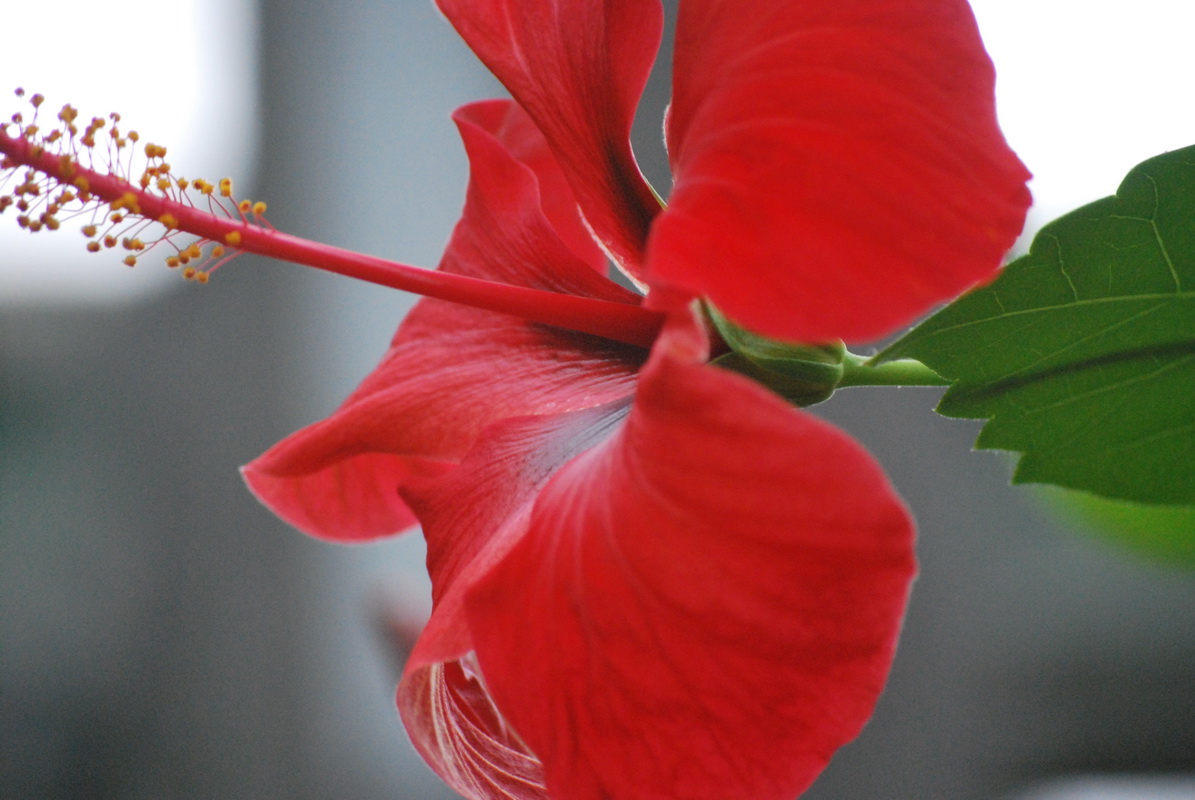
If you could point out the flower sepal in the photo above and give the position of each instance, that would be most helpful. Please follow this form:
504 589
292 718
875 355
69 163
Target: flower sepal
803 374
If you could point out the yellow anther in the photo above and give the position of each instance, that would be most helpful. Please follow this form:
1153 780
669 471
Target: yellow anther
66 167
59 187
127 201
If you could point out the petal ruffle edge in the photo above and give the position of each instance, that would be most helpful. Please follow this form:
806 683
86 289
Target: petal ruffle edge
578 69
452 370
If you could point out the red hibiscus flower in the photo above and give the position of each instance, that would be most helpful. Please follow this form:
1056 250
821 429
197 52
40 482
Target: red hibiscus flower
653 577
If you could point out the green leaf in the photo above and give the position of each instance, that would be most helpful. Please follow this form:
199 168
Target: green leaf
1081 356
1160 533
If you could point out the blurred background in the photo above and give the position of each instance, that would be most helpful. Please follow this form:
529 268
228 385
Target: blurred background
162 636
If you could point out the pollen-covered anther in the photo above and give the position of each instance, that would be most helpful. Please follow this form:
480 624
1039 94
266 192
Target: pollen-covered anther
127 201
54 170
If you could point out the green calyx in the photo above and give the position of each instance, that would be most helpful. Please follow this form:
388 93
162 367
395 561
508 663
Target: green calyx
805 374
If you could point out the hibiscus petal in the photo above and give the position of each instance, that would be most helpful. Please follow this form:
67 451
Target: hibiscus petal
838 166
524 142
471 517
453 370
703 603
579 70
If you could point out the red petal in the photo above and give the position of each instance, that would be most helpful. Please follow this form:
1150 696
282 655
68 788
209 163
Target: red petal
579 70
838 166
464 738
471 518
704 603
452 370
511 125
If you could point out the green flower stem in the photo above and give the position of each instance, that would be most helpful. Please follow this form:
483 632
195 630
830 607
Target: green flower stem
859 371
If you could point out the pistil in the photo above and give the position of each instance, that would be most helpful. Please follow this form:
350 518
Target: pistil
55 181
